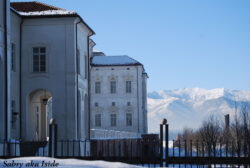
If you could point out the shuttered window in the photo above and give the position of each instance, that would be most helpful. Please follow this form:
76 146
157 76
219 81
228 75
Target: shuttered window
113 87
98 120
128 87
39 59
113 120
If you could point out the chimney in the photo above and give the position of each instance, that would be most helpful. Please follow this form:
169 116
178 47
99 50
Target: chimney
227 121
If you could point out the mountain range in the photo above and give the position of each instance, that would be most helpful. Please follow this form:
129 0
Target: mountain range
188 107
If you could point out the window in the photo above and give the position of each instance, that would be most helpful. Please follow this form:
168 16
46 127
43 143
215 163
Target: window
13 112
39 59
113 103
13 57
96 104
128 86
113 87
113 120
98 120
129 119
97 87
128 104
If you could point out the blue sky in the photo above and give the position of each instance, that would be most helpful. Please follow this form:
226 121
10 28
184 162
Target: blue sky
182 43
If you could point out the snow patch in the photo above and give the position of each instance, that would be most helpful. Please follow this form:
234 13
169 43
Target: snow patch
72 163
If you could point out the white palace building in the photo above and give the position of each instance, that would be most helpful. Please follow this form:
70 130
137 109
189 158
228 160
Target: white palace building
118 94
48 69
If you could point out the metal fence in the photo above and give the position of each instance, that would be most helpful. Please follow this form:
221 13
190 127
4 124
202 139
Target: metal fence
149 150
200 153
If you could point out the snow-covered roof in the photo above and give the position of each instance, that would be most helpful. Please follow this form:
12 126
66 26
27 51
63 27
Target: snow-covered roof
114 61
38 9
47 12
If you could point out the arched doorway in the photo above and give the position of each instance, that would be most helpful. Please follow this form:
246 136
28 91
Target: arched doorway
39 114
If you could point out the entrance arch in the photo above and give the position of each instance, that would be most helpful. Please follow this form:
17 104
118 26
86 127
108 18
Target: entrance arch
39 114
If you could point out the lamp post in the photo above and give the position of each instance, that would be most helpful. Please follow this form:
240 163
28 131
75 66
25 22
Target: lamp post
45 100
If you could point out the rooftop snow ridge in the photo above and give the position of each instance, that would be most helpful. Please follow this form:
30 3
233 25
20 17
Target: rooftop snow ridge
48 12
114 60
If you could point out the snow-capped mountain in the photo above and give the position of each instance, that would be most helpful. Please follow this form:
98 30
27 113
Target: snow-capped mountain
188 107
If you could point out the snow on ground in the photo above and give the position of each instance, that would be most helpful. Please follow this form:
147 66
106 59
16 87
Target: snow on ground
62 163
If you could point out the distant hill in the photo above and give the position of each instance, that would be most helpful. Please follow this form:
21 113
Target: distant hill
188 107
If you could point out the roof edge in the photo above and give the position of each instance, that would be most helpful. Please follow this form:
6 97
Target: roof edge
74 14
98 65
92 31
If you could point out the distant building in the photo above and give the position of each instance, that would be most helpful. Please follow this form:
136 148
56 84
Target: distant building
227 121
118 94
97 53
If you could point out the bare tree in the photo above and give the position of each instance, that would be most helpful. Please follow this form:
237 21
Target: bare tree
187 136
245 126
210 133
236 130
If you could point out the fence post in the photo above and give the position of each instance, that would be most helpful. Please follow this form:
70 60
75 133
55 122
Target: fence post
202 146
166 141
173 147
179 148
197 148
185 141
166 138
4 152
220 149
52 138
226 148
85 147
55 141
164 123
79 150
232 149
62 148
191 152
73 147
161 144
249 149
